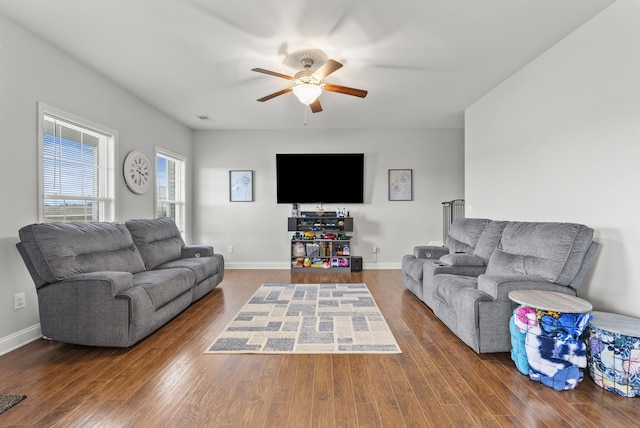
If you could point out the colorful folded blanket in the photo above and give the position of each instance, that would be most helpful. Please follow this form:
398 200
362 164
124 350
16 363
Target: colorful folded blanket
554 350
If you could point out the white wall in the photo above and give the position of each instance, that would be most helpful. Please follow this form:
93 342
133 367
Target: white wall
258 230
32 71
560 141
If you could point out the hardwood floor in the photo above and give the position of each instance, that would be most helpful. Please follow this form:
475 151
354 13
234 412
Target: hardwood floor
168 381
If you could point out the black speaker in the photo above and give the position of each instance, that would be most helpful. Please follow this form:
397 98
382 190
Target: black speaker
356 264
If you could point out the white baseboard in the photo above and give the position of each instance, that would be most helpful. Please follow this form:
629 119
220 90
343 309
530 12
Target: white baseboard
20 338
252 265
377 265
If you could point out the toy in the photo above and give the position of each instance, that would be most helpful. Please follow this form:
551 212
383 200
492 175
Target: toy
309 235
299 249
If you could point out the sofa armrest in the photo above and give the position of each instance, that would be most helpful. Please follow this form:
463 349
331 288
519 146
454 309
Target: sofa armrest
499 286
89 309
435 267
189 251
113 283
429 252
461 259
467 300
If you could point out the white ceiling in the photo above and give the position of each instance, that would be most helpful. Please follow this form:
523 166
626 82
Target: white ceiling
422 61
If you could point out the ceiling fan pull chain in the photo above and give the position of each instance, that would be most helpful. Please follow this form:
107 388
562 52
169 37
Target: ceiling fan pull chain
305 115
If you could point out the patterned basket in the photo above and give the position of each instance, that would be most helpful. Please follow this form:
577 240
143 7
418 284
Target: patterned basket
614 361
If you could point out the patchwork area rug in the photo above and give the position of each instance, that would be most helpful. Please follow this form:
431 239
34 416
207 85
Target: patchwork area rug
7 401
308 319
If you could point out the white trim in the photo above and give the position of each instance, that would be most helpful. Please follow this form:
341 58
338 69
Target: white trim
159 149
256 265
19 339
381 266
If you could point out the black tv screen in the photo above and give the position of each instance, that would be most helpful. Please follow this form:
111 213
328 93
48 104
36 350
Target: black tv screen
320 178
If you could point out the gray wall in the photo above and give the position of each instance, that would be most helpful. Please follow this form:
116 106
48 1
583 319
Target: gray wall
257 230
560 141
31 71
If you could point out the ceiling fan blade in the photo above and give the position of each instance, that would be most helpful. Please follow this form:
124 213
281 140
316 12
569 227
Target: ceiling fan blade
315 106
273 73
275 94
345 90
326 69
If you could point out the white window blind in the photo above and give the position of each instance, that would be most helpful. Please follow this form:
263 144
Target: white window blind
78 179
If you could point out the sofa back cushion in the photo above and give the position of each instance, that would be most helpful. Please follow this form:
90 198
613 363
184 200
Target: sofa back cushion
60 250
489 240
464 234
158 240
553 251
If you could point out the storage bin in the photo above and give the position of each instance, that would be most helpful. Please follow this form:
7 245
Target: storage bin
613 353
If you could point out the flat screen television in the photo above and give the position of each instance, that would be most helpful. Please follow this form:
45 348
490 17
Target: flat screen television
320 178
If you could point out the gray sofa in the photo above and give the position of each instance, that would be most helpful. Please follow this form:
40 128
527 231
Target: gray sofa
466 283
113 284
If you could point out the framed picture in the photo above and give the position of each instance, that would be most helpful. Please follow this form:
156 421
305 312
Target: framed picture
241 186
400 184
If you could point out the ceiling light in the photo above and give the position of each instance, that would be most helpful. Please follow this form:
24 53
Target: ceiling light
307 92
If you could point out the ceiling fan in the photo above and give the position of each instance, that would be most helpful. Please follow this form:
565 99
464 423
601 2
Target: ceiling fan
309 84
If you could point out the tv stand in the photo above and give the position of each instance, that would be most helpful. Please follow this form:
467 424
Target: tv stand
320 243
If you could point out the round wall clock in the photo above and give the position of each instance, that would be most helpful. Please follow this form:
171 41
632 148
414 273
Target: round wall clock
138 172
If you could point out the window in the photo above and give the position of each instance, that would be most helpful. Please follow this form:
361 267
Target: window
76 165
170 187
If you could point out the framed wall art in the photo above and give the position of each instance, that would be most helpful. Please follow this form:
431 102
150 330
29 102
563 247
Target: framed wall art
400 184
241 186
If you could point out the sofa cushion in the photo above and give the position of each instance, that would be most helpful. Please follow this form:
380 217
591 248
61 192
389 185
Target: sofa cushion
163 286
202 267
158 240
505 263
553 251
464 234
60 250
489 239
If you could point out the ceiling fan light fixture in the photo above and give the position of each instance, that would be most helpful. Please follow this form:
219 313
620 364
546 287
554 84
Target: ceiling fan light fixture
307 92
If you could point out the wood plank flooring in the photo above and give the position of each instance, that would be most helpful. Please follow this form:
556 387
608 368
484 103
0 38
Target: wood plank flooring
168 381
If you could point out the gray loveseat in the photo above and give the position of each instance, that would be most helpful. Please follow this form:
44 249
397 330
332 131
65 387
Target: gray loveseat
113 284
467 282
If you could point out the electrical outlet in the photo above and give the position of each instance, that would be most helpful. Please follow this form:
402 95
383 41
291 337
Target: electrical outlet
19 301
375 249
230 249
